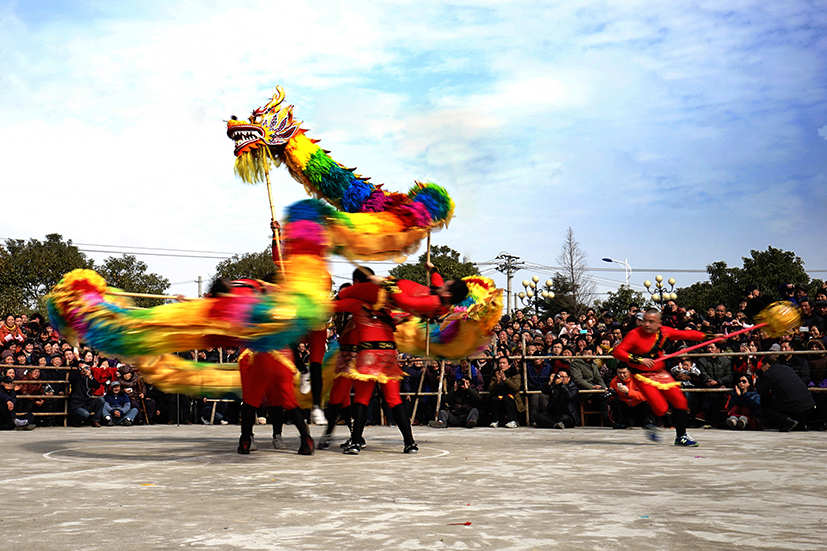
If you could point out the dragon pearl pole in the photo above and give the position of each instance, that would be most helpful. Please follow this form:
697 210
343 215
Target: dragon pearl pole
273 216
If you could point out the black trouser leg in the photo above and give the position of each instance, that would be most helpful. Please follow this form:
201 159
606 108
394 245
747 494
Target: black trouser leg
331 413
360 415
679 417
276 419
296 416
316 383
248 419
404 424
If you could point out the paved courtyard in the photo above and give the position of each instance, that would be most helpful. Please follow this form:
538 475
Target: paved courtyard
165 487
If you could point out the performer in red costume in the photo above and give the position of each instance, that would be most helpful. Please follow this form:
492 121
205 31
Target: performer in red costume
339 401
402 294
375 362
640 349
270 375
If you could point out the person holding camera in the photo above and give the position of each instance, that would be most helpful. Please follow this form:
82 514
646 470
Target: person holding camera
627 402
461 407
83 404
563 410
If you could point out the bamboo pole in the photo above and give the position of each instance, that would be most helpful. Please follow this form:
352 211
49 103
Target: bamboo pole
525 384
418 392
439 389
428 283
277 233
179 298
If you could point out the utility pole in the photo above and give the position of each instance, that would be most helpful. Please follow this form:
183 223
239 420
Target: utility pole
199 281
507 264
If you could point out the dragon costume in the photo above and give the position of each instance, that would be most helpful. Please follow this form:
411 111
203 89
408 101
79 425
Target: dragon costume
348 216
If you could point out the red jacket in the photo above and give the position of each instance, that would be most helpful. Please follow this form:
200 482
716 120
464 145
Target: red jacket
634 396
637 345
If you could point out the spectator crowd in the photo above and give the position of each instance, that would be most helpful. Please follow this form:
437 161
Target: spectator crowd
538 371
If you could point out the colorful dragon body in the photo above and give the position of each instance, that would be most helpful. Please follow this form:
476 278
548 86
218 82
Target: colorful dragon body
348 216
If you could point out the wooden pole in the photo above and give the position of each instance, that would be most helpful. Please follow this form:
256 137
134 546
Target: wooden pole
148 295
525 384
276 232
418 392
439 388
428 283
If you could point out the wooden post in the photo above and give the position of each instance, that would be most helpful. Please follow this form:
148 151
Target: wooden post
418 392
525 383
439 388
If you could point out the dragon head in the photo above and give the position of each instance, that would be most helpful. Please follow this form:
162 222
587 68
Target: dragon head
268 126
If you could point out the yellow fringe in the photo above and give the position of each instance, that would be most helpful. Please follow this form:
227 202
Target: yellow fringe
656 384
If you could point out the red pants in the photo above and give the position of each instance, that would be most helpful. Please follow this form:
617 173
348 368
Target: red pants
659 400
340 391
364 391
265 376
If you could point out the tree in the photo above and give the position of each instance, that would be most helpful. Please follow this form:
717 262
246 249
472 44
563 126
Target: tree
766 269
572 261
446 262
29 270
618 302
246 266
129 274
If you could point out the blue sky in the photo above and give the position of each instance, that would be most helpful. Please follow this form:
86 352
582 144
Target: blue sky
670 134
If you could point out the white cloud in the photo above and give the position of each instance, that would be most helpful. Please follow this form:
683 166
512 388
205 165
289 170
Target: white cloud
585 114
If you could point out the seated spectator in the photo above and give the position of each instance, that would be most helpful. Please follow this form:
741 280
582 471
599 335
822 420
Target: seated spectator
627 402
505 394
31 387
716 372
743 405
818 375
84 406
470 372
607 367
205 411
538 372
461 407
103 373
117 409
10 332
785 400
563 410
747 364
7 360
11 416
586 375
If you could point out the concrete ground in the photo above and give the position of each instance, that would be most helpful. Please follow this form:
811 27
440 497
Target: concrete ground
164 487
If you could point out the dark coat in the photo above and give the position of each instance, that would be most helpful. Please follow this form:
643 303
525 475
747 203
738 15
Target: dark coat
82 390
459 402
789 394
563 399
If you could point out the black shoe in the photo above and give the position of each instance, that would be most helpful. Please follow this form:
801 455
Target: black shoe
411 448
471 424
788 425
324 442
308 447
244 445
620 426
345 444
352 449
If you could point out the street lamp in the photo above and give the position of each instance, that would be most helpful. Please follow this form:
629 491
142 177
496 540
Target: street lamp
626 267
532 294
660 294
